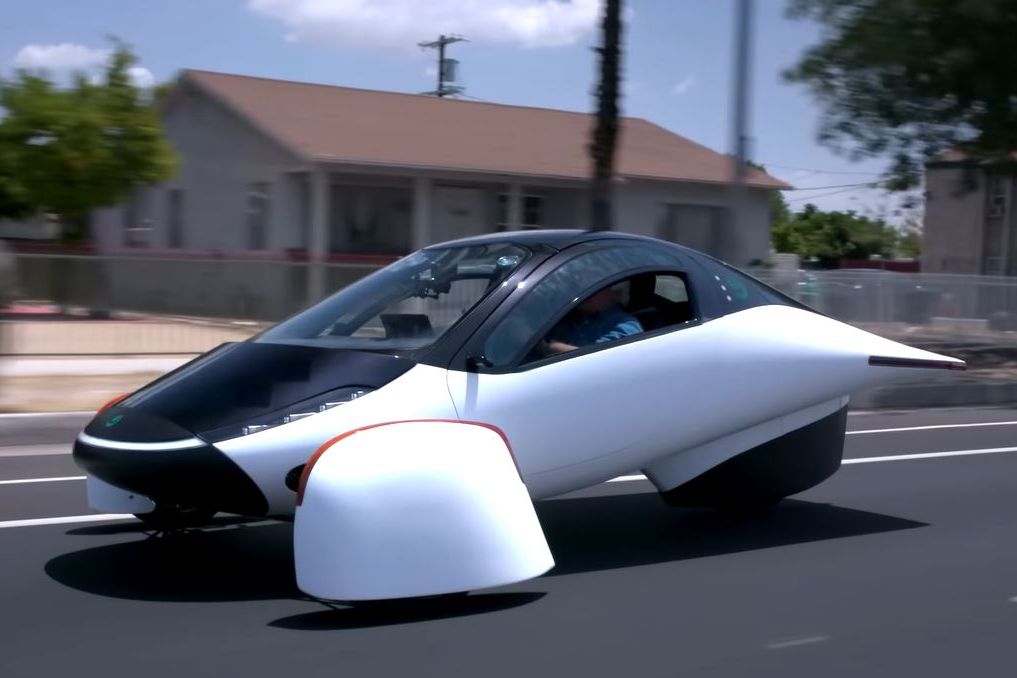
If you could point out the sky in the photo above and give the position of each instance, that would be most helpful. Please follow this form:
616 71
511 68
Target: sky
677 62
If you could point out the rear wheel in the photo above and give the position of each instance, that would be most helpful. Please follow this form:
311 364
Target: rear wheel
173 517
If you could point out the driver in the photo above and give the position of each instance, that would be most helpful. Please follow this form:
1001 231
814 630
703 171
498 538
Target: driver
600 318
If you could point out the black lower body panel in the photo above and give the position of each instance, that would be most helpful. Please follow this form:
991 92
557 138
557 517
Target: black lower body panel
780 467
200 477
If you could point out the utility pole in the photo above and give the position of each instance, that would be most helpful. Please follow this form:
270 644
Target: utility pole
446 67
739 128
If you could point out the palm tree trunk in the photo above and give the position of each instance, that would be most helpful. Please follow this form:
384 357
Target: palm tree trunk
605 132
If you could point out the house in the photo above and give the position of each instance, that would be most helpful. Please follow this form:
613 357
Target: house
277 166
970 224
275 171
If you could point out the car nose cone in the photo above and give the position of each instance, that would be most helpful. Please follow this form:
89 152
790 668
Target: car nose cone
152 456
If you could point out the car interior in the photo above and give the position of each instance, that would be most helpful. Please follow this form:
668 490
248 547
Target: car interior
656 300
659 300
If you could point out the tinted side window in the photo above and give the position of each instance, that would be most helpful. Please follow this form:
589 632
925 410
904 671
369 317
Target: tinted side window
552 295
732 291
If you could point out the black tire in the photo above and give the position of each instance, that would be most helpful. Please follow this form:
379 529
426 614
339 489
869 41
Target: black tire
172 517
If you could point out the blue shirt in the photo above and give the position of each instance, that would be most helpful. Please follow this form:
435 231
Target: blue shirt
609 325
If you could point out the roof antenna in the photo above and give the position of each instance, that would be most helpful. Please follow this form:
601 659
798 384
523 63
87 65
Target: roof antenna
446 67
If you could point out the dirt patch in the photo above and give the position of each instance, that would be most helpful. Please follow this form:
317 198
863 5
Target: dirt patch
66 393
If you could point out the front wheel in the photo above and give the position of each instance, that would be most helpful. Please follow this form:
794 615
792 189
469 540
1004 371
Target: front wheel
173 517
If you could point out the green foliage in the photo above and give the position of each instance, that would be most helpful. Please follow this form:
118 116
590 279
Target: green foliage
913 78
780 213
13 201
831 236
67 151
909 244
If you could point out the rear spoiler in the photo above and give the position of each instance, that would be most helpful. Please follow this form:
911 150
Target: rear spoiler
887 361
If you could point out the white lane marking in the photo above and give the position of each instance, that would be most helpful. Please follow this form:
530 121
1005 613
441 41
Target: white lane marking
619 479
35 451
933 427
873 460
26 481
1013 600
798 641
929 455
65 520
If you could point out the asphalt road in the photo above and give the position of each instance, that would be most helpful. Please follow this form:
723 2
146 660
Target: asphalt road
893 567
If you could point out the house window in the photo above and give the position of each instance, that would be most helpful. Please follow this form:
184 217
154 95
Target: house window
129 216
373 219
532 213
259 203
175 218
136 228
997 198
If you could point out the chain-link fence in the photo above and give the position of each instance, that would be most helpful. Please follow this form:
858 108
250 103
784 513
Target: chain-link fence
951 306
81 305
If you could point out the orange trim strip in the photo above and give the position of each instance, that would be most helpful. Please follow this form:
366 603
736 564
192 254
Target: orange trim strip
306 473
112 402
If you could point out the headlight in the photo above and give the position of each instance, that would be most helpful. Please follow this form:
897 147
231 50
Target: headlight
295 412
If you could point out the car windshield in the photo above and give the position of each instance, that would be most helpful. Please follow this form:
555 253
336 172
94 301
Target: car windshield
407 305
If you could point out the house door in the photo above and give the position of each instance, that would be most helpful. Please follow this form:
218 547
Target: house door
458 213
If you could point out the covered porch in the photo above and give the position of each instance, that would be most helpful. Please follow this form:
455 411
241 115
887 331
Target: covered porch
340 212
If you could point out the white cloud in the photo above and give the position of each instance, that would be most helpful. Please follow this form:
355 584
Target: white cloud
65 56
404 23
141 76
684 85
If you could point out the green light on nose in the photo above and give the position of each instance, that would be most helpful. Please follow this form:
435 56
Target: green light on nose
114 420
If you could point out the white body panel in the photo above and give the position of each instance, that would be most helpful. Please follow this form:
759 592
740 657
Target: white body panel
416 509
420 393
105 498
583 420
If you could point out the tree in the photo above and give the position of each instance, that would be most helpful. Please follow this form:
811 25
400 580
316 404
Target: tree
909 243
913 78
13 202
831 236
69 151
605 132
780 213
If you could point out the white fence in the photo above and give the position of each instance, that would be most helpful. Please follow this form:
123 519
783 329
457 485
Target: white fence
247 289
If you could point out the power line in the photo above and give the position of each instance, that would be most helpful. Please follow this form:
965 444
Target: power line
866 184
823 195
819 171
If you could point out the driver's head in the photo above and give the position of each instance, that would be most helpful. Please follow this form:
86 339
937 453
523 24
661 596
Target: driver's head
606 298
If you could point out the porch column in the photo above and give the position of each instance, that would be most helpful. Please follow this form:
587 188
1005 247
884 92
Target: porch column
319 245
515 206
421 226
